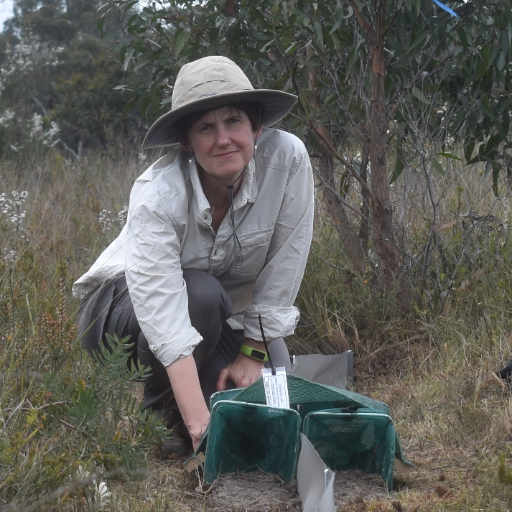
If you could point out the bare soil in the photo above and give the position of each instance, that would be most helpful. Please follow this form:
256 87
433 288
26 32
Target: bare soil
260 492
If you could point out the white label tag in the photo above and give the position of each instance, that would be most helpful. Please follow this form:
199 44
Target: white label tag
276 388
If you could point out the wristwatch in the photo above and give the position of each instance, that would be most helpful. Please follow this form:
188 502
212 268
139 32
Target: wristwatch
254 353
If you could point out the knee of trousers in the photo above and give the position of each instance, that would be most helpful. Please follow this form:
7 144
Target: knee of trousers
208 303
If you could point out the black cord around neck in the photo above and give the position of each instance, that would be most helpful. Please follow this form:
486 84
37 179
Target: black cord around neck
232 215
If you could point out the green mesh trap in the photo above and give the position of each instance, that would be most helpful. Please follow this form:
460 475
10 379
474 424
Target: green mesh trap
246 435
363 439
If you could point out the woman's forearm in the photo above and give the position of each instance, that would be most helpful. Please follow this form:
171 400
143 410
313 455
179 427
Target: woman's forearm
187 391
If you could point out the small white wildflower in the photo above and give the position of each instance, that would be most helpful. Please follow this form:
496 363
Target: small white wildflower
82 473
37 125
19 197
10 255
97 496
122 215
110 220
105 219
51 136
6 118
12 208
102 498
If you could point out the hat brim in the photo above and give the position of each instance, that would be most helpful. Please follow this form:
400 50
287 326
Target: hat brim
276 104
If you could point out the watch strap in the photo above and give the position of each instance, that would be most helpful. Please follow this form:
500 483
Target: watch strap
254 353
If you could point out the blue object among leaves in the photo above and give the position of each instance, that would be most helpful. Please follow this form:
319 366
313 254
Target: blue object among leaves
446 8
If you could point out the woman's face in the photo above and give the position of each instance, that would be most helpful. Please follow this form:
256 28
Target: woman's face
222 142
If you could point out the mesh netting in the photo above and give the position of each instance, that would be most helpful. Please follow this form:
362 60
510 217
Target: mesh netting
246 437
363 440
302 391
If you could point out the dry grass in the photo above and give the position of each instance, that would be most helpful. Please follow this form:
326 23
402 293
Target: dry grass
455 422
435 368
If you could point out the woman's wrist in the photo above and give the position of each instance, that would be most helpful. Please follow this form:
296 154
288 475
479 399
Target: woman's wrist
257 344
255 350
197 431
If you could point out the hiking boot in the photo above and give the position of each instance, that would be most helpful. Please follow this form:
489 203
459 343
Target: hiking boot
172 449
180 444
505 372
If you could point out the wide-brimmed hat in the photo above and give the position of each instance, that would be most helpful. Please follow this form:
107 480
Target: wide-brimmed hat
209 83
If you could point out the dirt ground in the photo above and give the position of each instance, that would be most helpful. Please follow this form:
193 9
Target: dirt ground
262 492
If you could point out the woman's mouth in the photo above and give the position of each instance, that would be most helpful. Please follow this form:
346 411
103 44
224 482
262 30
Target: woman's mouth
225 155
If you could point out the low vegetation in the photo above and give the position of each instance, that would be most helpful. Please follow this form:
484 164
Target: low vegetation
73 437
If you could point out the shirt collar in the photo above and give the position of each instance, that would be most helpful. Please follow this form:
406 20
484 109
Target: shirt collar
249 190
247 194
202 202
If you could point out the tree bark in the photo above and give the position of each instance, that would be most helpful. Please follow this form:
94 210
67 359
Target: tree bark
339 216
390 261
364 228
331 198
382 228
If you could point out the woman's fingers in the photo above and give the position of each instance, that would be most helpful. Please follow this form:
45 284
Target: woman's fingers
242 372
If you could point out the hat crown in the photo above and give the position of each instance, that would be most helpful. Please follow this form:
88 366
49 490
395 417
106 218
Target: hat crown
207 77
210 83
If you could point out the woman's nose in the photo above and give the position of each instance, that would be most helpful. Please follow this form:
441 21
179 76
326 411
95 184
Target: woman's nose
223 136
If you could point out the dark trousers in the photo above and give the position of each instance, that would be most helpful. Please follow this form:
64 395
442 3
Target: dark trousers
109 310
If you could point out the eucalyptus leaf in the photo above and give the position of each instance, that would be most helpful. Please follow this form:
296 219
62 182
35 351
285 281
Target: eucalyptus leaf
418 94
437 166
319 34
450 156
128 57
182 36
141 63
331 98
502 61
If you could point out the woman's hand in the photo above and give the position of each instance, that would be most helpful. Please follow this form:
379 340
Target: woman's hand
196 433
243 371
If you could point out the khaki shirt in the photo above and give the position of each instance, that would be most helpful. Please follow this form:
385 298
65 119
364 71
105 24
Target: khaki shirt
169 229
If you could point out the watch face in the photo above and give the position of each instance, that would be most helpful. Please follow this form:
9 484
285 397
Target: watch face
256 354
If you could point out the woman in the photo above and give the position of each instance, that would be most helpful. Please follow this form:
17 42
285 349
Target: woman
217 238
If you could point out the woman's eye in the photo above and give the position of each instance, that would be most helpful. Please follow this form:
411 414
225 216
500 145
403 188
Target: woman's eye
233 120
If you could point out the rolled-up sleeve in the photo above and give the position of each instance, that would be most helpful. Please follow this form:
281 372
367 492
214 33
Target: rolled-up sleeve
277 285
155 283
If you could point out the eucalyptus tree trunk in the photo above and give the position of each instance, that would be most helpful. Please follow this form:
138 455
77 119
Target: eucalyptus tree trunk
390 261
